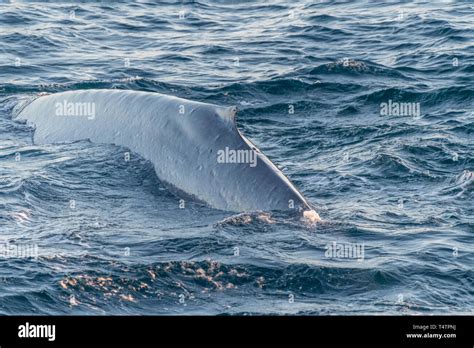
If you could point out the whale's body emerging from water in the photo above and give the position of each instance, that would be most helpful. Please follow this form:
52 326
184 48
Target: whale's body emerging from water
194 147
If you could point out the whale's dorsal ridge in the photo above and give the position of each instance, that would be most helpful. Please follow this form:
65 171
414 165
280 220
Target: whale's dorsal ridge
229 114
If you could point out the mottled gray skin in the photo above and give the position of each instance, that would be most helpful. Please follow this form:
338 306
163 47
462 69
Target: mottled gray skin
183 146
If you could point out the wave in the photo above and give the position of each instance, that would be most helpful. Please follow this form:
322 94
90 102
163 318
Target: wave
113 287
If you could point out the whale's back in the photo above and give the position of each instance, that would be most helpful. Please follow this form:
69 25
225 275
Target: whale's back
182 138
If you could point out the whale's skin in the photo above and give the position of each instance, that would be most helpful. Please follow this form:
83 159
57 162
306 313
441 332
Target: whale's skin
180 137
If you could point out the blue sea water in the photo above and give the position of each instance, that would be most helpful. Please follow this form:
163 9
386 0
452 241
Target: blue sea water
310 80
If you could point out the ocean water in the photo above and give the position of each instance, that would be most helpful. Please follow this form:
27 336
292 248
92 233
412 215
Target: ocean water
366 107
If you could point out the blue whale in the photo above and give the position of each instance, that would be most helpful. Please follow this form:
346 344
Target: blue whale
194 147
